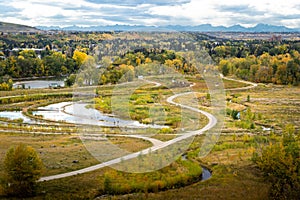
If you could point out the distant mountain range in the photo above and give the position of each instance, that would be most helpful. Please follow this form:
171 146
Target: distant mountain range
10 27
200 28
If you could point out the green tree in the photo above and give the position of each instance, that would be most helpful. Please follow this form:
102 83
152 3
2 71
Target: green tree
280 164
23 168
220 51
127 71
54 63
281 75
248 98
264 74
224 67
6 83
234 114
70 80
27 63
89 72
107 185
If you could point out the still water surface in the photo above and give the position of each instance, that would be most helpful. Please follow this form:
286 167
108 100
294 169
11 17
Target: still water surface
38 83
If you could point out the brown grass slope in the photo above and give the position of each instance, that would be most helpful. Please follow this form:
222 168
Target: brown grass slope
10 27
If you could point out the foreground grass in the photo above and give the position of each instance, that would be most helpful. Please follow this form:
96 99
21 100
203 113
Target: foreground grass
228 182
64 153
278 105
234 175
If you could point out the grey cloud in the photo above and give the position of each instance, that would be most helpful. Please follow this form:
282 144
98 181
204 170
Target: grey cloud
283 17
244 14
59 17
241 9
4 9
274 19
139 2
132 12
127 18
119 14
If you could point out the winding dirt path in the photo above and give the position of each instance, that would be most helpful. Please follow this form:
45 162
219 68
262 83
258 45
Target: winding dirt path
251 84
157 144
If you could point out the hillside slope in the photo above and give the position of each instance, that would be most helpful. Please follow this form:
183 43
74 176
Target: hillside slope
10 27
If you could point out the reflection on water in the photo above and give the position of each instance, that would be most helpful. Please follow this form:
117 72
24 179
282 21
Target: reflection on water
38 83
78 113
206 174
12 115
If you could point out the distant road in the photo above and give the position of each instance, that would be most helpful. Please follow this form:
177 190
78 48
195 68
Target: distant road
251 84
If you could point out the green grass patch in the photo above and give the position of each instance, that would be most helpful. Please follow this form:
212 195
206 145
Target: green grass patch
178 174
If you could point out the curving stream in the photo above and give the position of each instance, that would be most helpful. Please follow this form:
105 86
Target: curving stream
72 112
212 122
78 113
206 174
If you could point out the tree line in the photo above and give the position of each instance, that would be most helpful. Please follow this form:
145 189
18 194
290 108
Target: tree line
277 69
27 63
254 60
126 67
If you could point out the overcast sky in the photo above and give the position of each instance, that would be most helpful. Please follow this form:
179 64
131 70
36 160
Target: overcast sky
151 12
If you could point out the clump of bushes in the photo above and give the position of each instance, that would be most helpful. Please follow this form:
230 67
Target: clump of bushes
280 163
178 174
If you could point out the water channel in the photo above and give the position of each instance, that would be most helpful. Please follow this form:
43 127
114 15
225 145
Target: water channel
76 113
34 84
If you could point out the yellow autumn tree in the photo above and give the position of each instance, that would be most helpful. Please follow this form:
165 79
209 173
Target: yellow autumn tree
79 57
23 168
128 72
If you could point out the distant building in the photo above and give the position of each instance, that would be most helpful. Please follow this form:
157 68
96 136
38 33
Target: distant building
36 50
33 49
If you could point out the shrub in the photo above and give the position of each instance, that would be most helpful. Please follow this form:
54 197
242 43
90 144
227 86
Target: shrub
23 168
280 164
